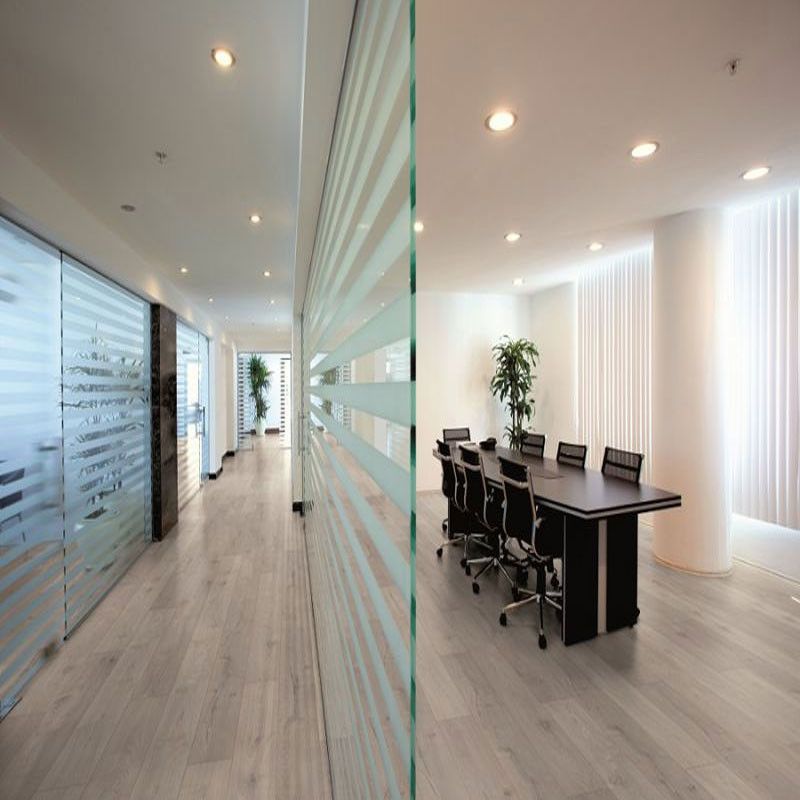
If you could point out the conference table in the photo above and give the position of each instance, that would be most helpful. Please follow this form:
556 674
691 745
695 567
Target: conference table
600 521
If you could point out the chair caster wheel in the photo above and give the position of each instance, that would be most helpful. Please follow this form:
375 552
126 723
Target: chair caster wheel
559 615
503 619
476 587
515 594
439 552
463 563
542 642
554 581
468 570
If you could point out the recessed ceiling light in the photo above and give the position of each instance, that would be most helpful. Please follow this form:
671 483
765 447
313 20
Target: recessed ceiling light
644 149
128 207
272 302
383 305
210 299
419 226
267 273
255 218
512 236
595 246
518 281
184 270
223 57
755 173
501 120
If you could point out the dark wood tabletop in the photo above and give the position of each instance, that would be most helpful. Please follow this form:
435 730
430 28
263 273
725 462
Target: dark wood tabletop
584 493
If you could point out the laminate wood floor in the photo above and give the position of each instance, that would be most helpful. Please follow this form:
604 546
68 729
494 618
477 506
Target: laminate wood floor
701 700
196 676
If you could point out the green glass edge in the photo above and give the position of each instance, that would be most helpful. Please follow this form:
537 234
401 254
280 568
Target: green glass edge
412 562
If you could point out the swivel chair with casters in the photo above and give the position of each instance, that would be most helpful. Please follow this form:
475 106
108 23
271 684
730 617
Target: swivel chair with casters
533 444
451 436
528 540
484 505
450 489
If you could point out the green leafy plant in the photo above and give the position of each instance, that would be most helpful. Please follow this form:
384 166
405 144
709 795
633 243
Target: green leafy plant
328 379
260 377
512 382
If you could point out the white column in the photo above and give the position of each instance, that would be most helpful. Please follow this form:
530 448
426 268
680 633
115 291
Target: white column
689 454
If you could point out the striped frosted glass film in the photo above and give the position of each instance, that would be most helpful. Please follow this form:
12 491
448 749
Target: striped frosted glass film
358 436
765 360
192 363
31 529
614 351
106 366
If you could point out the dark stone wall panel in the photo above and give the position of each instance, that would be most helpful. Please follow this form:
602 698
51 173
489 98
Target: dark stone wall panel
164 388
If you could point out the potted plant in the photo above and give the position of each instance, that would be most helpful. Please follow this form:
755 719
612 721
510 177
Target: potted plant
512 382
260 381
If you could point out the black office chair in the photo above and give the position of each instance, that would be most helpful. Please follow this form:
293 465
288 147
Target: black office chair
451 436
528 541
533 444
485 506
574 455
449 488
622 464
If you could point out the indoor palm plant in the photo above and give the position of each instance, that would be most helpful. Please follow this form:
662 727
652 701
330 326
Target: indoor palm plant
512 382
260 381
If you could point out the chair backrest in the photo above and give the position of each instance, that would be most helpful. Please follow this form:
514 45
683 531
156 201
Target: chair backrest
519 512
533 444
455 435
475 489
622 464
445 457
572 454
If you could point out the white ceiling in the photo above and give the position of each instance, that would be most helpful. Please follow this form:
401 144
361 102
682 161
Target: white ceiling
588 80
90 90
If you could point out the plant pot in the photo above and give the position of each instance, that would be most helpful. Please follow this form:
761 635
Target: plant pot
260 425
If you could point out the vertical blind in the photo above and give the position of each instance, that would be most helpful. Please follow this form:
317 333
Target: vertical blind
765 360
359 500
614 346
106 391
75 506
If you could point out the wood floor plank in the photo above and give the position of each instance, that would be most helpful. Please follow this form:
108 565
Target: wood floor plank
196 676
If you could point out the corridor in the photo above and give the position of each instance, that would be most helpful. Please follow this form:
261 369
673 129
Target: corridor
196 676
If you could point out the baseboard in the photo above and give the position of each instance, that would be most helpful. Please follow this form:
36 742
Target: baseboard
297 505
214 475
228 454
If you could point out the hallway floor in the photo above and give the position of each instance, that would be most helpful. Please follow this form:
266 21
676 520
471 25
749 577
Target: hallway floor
196 676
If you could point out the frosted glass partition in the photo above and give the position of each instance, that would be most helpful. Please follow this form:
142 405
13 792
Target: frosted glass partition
31 530
358 432
192 364
106 367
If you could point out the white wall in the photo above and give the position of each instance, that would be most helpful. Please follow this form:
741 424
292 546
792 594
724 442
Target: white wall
553 325
223 413
455 335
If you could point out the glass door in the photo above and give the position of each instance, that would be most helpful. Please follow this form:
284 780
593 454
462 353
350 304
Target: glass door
193 388
31 529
